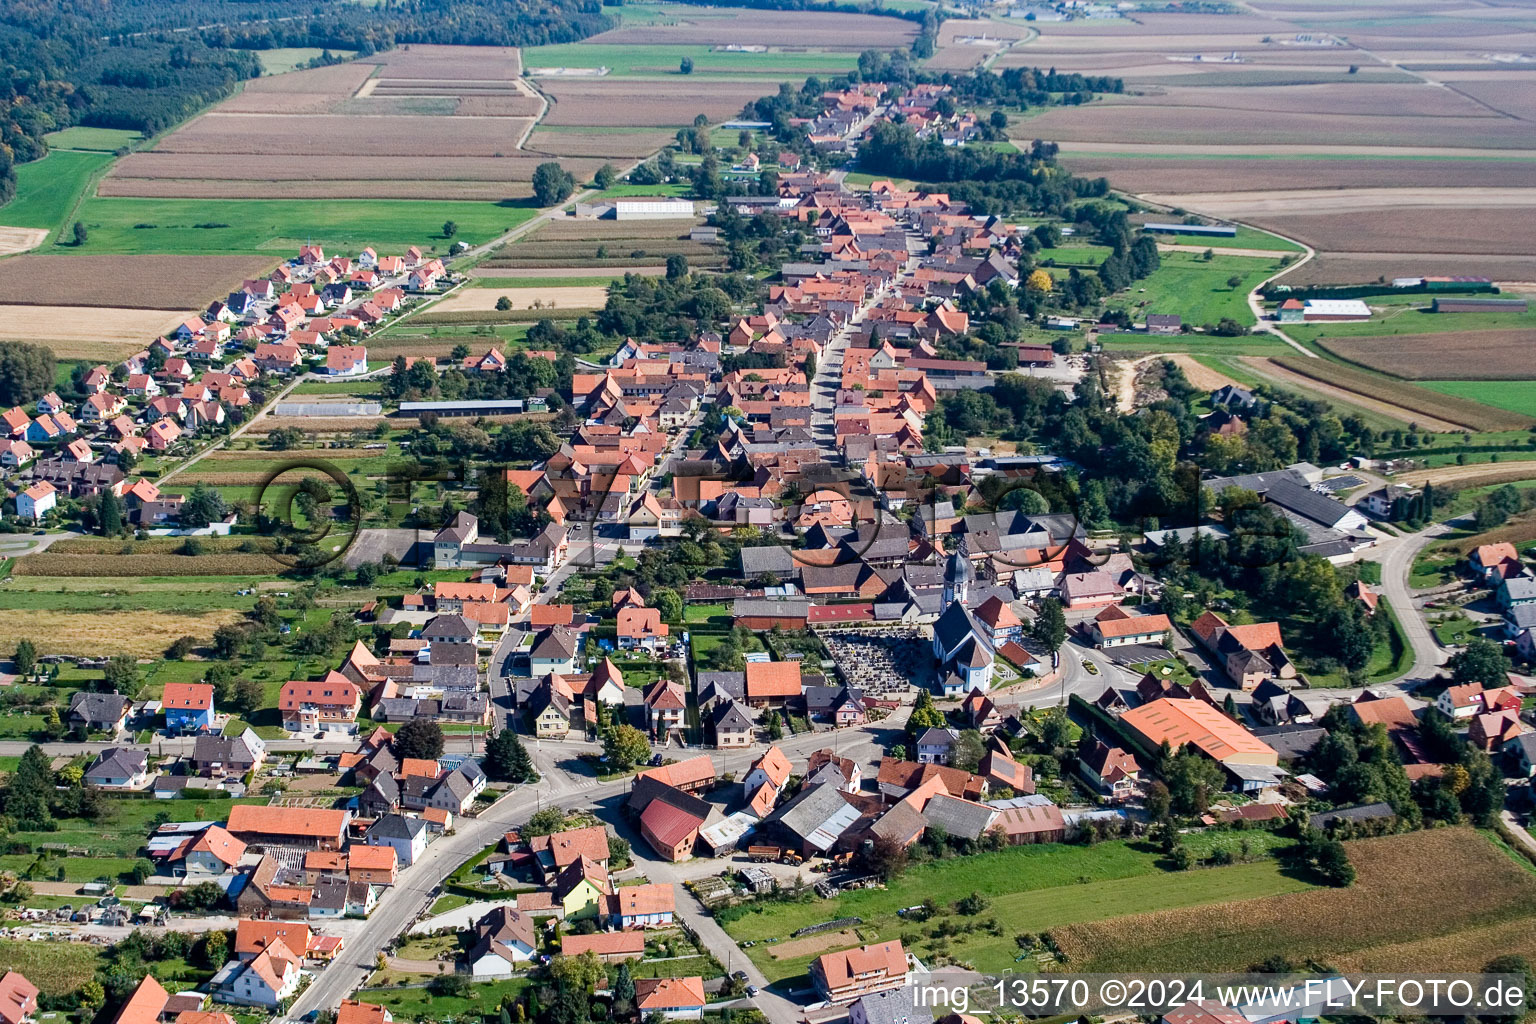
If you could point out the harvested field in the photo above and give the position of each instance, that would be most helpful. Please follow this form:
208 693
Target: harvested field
646 102
322 424
742 27
448 63
1330 151
1356 268
1463 229
333 188
1129 123
1200 375
14 240
337 80
85 324
155 283
1483 475
1172 174
1349 400
1415 402
1345 200
143 634
608 145
1374 919
498 275
574 228
1513 95
340 135
1416 100
480 299
1446 355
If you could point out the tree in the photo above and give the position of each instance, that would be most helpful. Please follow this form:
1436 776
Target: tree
121 675
583 973
626 747
202 507
450 228
507 760
249 696
1332 863
26 373
685 66
666 601
1040 281
1234 280
111 514
887 857
1481 661
81 234
605 176
25 658
180 648
419 738
968 751
623 987
1050 627
1192 779
551 183
1157 801
924 714
677 266
215 947
1520 967
503 304
545 822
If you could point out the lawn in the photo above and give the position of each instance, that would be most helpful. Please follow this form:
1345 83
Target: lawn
1197 289
56 968
720 612
417 1003
664 60
1031 888
122 830
99 140
1198 344
1514 395
1410 318
46 189
137 226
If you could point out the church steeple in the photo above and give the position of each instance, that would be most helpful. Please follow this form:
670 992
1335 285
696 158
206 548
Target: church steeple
958 576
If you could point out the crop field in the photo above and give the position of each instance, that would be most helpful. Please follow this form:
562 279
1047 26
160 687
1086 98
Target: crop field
620 102
1377 921
706 26
56 968
223 134
46 192
1029 889
1409 398
1471 355
1518 396
1352 268
155 283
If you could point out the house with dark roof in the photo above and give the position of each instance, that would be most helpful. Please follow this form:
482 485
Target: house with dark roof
812 822
97 712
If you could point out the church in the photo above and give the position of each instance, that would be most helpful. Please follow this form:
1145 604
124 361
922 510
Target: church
961 644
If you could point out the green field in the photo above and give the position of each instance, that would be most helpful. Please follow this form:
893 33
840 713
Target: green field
281 59
417 1003
1029 889
46 189
1197 289
1198 344
100 140
1411 318
122 830
57 968
1514 395
664 60
1246 238
279 225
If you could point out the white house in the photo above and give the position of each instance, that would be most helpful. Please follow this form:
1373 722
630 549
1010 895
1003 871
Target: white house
265 980
673 998
36 501
346 360
407 835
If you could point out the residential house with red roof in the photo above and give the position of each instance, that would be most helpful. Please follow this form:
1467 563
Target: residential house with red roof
641 628
18 998
188 708
845 976
673 998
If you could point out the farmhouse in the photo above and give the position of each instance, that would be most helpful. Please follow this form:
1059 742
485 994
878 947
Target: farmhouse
1196 723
